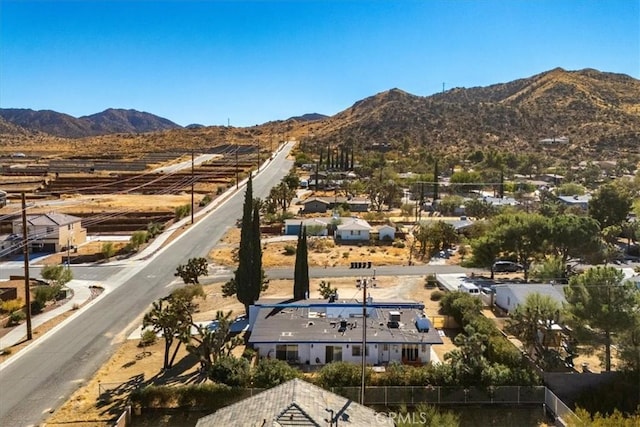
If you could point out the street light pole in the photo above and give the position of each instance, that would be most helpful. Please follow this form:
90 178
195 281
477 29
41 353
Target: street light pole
364 340
25 248
192 185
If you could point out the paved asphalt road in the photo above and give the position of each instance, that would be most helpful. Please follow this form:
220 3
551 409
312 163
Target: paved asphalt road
42 377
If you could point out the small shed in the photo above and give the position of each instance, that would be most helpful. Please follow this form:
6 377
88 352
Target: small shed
386 233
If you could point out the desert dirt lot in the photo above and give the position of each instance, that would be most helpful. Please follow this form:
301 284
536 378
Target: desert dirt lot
133 366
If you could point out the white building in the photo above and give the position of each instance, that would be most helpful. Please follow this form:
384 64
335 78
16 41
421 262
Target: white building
509 296
317 332
353 229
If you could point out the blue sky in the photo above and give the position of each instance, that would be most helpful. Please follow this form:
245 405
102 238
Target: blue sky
250 62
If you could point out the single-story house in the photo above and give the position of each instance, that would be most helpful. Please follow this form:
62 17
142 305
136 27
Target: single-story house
52 231
315 226
323 204
580 201
295 403
511 295
315 205
317 332
353 229
501 201
354 204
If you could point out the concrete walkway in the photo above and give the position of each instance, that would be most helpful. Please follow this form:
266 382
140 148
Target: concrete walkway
81 294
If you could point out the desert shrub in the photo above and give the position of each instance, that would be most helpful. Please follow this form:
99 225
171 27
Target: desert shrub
272 372
107 250
138 239
11 305
16 317
154 228
326 290
289 250
232 371
182 211
345 255
436 295
320 245
399 244
205 200
430 281
341 374
43 294
37 306
248 353
148 338
6 350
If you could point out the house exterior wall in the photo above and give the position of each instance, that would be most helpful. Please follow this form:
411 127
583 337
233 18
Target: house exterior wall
359 207
505 299
387 233
353 235
54 236
315 353
315 206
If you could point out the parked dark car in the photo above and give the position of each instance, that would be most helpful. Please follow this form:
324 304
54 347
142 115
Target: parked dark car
506 267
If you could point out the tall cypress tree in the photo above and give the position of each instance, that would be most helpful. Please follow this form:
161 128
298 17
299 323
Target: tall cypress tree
245 251
256 254
301 270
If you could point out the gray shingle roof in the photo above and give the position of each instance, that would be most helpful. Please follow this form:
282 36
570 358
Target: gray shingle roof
294 403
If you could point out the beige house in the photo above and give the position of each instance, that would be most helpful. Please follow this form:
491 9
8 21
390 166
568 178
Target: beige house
52 231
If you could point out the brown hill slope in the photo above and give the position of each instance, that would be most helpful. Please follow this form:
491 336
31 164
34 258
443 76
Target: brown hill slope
589 107
599 112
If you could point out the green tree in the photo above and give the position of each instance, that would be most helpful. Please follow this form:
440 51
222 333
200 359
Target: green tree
56 275
573 236
629 347
601 304
610 205
479 208
485 250
523 235
192 270
530 320
465 181
232 371
272 372
301 269
468 360
326 290
212 340
570 189
249 276
170 316
550 269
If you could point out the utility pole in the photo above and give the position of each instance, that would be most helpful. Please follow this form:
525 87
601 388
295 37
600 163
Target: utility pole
192 185
237 172
364 340
25 248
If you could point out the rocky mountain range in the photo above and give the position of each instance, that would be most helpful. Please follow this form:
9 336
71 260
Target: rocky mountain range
588 107
595 111
107 122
